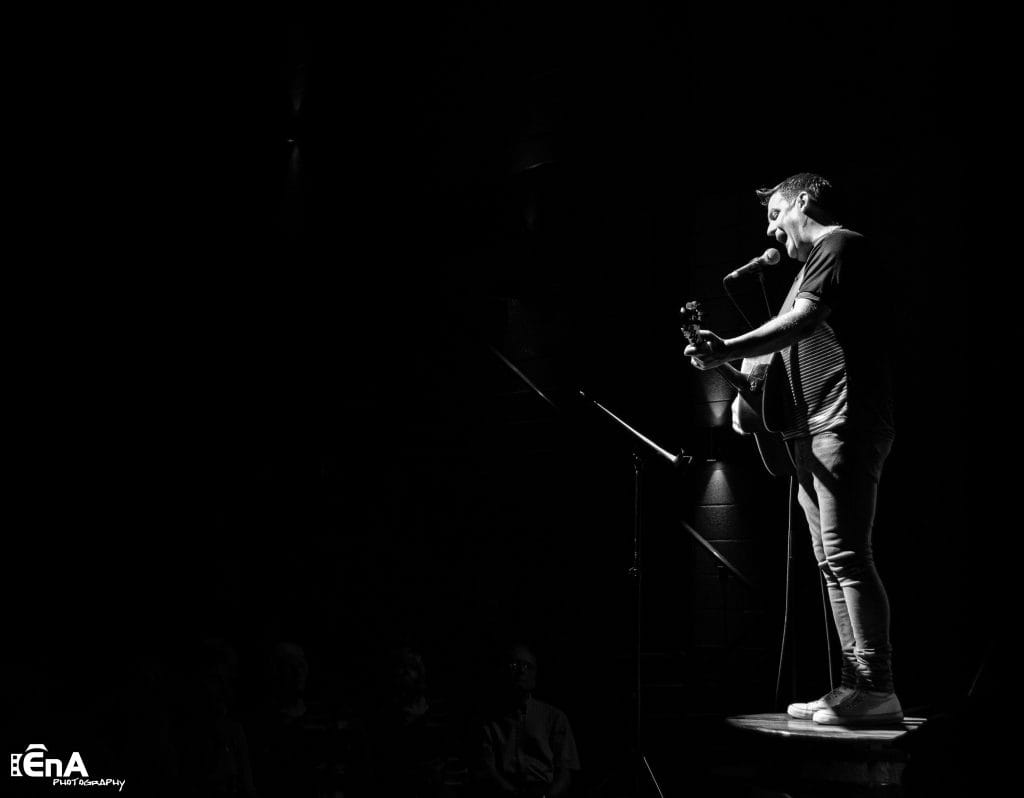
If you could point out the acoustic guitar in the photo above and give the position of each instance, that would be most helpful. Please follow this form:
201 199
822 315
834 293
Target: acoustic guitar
759 398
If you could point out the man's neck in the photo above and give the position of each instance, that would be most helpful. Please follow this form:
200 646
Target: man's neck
819 231
814 232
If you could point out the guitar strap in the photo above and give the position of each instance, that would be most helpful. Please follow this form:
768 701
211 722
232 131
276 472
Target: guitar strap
794 289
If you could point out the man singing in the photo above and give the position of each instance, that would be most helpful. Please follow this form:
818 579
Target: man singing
838 425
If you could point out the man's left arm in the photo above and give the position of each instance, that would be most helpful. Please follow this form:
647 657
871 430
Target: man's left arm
776 334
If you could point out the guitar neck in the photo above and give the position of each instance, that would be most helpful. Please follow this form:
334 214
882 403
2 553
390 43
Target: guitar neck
736 378
691 329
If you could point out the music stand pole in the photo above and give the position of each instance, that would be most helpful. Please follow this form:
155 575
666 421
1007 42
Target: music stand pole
640 764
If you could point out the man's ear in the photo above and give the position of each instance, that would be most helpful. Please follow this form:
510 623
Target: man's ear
803 199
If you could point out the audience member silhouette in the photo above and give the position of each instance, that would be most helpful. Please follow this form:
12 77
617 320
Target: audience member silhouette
137 730
293 739
405 743
213 746
527 749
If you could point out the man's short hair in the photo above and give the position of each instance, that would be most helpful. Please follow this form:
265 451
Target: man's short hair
818 188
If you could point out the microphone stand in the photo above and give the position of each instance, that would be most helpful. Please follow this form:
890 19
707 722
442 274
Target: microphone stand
639 765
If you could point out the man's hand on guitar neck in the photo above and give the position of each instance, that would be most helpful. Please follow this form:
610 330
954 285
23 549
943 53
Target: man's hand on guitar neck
710 353
772 336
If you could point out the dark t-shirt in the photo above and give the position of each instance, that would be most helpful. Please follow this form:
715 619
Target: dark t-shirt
839 375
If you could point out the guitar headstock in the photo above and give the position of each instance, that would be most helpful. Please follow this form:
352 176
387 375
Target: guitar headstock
690 319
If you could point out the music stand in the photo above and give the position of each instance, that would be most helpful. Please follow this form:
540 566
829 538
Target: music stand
639 763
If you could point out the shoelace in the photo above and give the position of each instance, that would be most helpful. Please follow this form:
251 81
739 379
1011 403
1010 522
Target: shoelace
837 693
859 697
852 700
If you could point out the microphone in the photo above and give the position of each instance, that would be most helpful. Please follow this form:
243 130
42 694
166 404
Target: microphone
769 258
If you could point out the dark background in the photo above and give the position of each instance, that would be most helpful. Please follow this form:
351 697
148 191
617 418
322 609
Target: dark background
266 265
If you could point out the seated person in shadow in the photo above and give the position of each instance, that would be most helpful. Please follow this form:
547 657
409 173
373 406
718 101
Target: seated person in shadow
405 743
213 747
294 737
528 749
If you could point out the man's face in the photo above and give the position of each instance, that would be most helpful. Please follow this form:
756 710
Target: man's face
785 223
523 669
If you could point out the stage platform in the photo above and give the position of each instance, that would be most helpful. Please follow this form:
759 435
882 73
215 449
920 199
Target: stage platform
780 724
802 757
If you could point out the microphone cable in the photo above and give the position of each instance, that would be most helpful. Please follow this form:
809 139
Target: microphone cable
786 605
828 637
735 304
789 574
764 293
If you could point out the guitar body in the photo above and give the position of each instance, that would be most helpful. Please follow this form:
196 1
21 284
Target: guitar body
758 412
750 401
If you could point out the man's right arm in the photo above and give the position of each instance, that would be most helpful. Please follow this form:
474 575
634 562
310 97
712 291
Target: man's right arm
772 336
781 332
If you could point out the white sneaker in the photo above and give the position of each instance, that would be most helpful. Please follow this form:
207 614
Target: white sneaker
863 707
805 711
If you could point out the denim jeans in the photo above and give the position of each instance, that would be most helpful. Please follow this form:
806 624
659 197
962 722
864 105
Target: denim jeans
838 473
